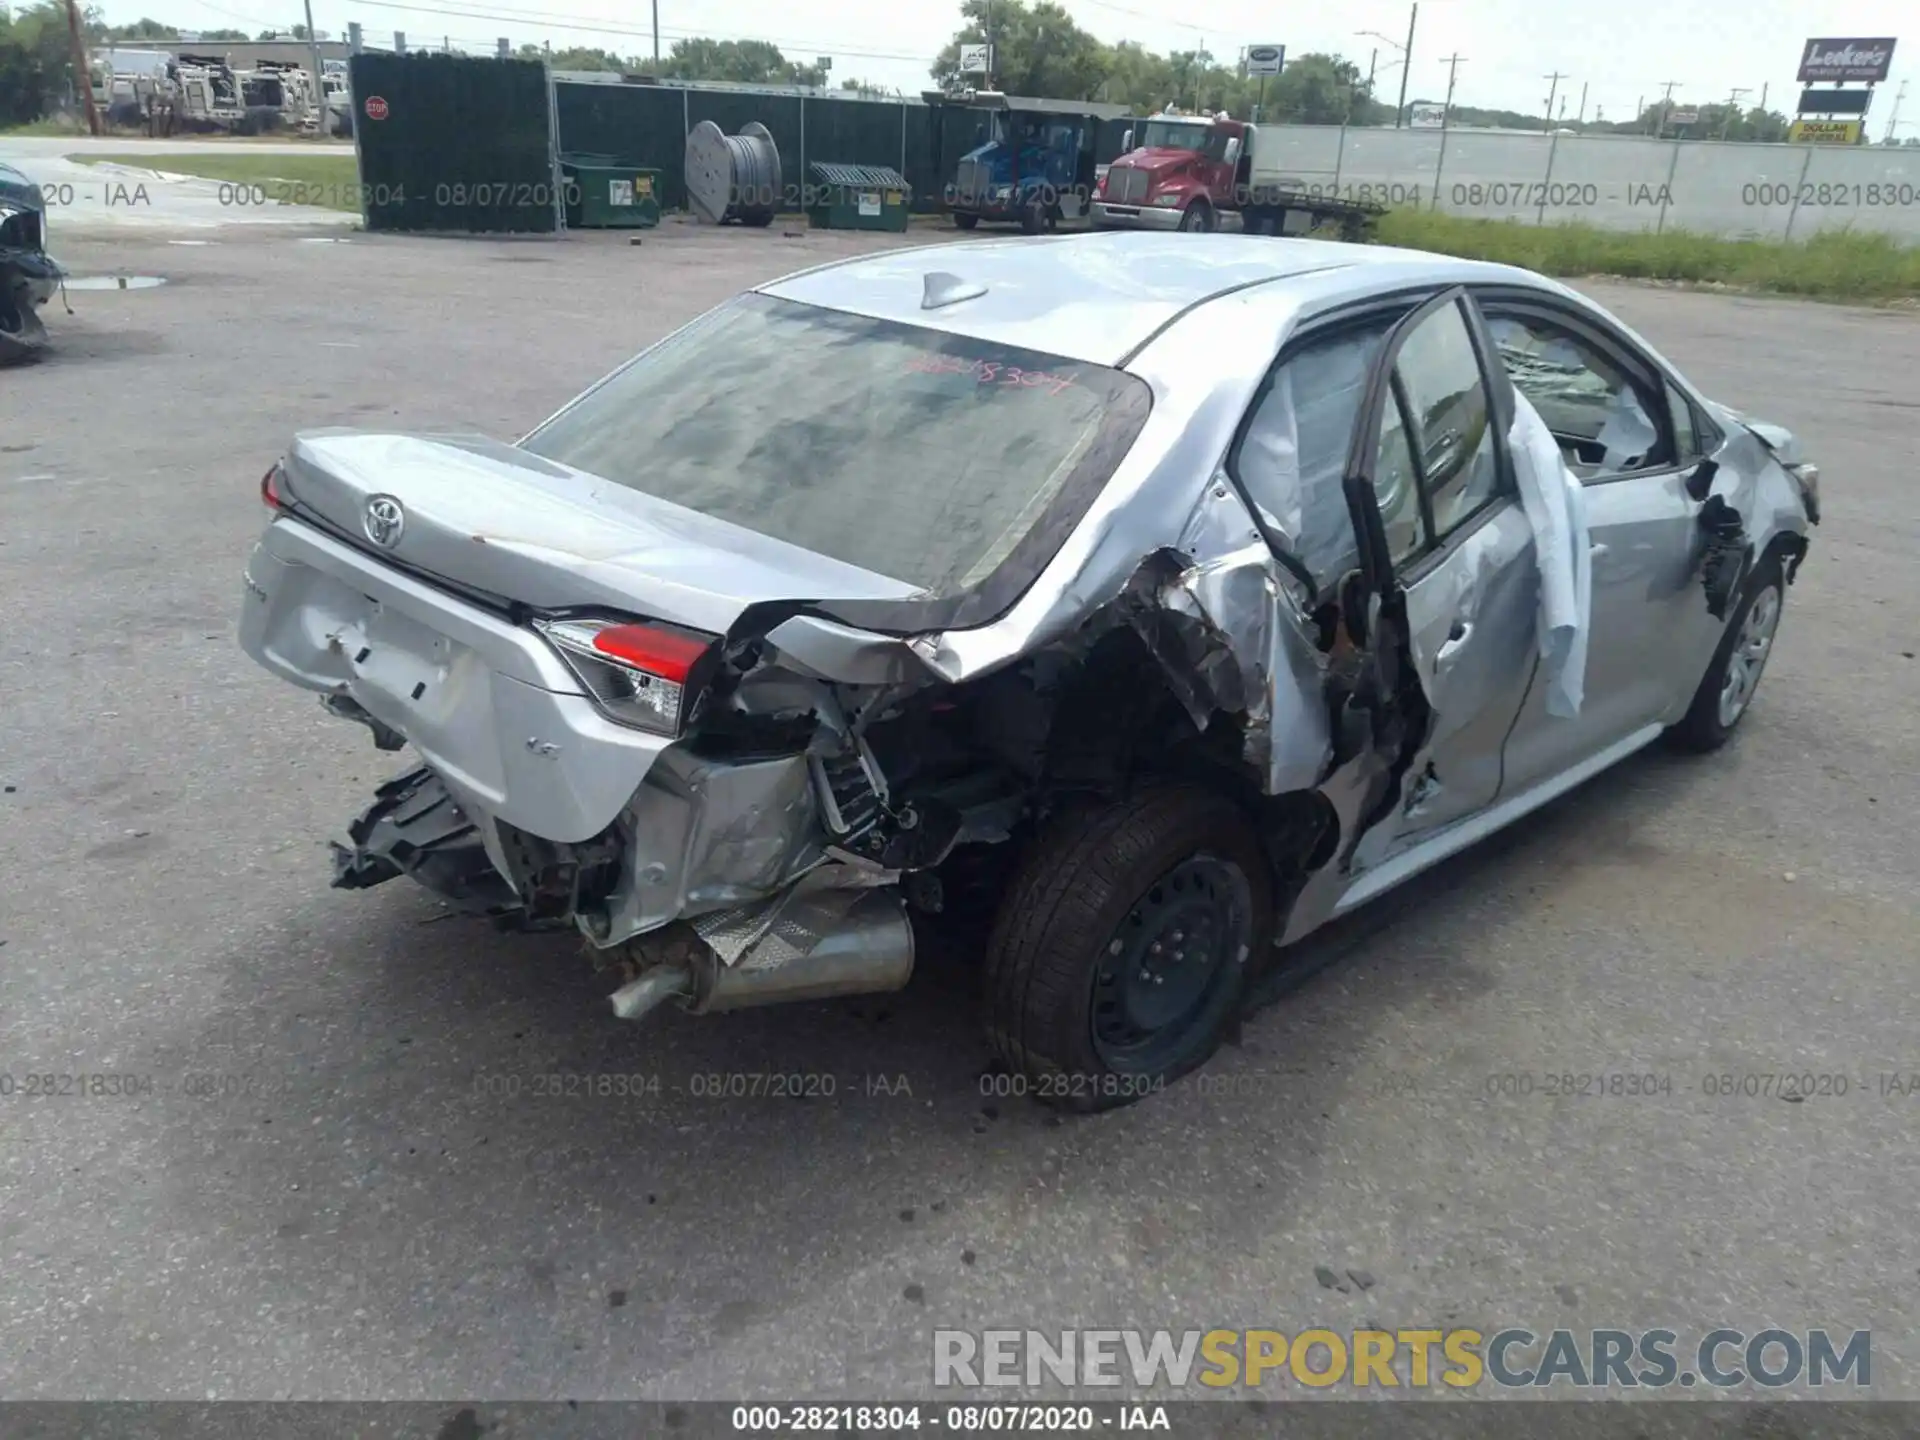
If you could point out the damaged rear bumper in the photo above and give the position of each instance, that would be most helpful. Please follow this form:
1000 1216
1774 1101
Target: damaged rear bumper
740 878
839 929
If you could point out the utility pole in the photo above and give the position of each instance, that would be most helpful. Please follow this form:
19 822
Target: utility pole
1733 108
1372 60
1406 68
1894 119
1552 90
1666 106
656 39
322 125
1453 68
1581 118
82 71
991 57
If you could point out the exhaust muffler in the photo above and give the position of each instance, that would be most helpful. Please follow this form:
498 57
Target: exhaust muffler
870 950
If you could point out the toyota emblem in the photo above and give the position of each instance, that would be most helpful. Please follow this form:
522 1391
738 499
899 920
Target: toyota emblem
384 521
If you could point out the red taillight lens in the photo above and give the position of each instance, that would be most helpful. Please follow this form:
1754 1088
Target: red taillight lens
270 489
637 674
658 652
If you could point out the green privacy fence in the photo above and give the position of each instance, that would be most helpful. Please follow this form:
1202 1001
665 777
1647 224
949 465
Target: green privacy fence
648 125
454 143
459 143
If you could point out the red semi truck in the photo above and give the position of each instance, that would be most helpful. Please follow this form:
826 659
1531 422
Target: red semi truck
1198 172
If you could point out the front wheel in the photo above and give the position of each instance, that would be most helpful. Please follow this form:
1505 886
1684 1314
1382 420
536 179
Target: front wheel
1197 217
1121 950
964 221
1726 691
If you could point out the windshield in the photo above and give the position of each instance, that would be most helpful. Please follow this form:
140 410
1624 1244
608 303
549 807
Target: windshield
1173 135
914 454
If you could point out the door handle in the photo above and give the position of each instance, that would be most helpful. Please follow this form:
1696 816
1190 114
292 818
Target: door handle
1461 633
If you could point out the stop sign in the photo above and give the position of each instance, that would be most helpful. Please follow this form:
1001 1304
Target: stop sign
376 108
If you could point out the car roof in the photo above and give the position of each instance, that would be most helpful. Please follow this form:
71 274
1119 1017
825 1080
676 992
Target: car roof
1099 297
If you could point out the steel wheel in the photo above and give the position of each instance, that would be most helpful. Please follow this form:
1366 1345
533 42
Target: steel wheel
1749 656
1169 967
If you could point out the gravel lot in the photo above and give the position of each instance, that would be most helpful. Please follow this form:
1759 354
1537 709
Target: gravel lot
369 1221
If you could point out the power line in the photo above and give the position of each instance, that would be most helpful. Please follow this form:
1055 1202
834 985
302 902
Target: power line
1157 19
569 23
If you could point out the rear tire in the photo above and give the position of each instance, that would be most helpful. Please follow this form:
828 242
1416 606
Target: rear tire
1121 949
1726 690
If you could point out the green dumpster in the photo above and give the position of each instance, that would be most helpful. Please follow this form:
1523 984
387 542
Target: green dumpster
857 197
604 192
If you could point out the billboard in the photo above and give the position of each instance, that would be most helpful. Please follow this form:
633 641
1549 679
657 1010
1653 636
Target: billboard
1684 116
1824 132
1834 102
976 59
1864 60
1265 59
1426 115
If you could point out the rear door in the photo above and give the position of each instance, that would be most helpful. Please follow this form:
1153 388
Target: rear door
1446 560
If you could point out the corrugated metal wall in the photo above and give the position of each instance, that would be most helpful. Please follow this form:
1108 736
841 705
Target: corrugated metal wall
466 144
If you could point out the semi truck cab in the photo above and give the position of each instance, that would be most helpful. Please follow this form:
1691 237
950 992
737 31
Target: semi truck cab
1179 172
1033 163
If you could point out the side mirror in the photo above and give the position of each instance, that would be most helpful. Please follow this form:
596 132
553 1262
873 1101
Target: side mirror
1233 151
1126 142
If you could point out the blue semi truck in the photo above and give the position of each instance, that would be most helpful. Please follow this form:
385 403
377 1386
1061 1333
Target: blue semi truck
1034 161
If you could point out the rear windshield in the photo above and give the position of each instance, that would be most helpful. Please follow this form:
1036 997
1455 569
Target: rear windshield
914 454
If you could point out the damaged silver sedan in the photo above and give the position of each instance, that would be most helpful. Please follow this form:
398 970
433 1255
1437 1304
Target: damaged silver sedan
1143 601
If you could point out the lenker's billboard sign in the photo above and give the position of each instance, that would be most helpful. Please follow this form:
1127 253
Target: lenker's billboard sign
1862 60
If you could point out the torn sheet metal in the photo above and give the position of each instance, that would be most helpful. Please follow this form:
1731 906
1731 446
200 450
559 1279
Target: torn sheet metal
787 927
1725 555
1556 509
708 835
1229 637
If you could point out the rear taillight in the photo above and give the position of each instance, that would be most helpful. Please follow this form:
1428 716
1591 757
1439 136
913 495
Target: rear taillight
639 675
270 491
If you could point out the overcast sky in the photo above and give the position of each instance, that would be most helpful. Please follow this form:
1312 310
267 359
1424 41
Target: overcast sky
1621 50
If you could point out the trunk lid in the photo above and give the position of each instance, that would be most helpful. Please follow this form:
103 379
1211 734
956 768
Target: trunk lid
491 517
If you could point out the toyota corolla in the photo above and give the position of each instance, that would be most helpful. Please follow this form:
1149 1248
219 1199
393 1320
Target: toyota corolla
1148 600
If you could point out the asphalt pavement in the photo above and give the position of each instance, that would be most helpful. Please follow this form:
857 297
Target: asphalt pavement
337 1181
117 199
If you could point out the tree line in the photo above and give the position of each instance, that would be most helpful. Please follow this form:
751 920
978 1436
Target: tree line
1038 50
